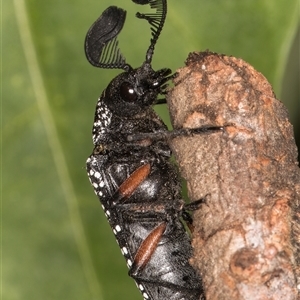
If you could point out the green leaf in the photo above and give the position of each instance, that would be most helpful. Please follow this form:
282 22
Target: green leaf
56 243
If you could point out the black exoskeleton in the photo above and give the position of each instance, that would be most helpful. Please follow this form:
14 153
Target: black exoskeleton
130 170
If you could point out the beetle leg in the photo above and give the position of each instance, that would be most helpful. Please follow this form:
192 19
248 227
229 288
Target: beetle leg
195 204
167 135
186 216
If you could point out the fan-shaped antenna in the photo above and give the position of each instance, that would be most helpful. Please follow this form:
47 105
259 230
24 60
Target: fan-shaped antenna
101 44
156 21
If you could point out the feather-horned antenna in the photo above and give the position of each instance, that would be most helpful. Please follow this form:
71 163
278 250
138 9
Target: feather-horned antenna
156 21
101 44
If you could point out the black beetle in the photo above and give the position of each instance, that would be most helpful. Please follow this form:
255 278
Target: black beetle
130 168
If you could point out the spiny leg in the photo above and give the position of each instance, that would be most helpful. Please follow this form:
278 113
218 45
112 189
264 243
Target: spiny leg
167 135
186 216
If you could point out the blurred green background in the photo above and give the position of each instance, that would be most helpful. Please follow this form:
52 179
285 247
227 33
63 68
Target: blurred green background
56 243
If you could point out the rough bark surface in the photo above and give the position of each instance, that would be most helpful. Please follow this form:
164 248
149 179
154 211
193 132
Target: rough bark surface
247 236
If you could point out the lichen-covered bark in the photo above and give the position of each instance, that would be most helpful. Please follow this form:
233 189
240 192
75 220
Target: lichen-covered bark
247 235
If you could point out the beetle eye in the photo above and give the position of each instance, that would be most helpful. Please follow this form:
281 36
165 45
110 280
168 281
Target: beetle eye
127 92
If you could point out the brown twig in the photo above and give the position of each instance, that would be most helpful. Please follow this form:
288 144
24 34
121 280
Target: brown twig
247 235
